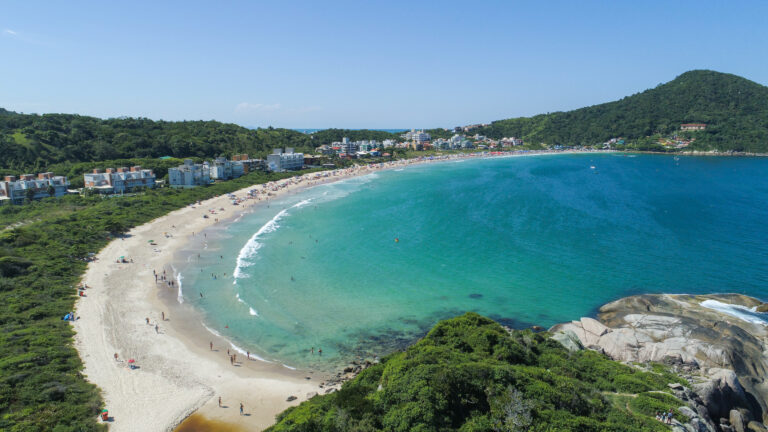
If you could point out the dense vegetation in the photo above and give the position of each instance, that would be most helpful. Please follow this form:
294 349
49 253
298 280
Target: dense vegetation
33 142
734 109
470 374
42 250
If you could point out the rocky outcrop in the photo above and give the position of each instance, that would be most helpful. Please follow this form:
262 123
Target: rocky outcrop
721 349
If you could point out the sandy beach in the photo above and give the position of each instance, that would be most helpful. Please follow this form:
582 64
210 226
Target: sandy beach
178 372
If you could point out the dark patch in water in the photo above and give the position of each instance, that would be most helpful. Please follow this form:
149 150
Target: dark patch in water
475 296
513 323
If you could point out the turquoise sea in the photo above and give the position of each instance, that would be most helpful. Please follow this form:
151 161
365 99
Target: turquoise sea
365 266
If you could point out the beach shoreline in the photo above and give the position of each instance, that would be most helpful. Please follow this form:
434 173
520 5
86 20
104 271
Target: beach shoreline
179 373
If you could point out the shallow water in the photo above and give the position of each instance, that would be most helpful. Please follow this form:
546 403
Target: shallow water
364 266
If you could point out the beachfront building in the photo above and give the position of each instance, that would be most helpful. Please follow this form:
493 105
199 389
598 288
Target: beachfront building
346 147
511 141
222 169
190 174
13 191
287 160
119 180
326 150
418 136
693 126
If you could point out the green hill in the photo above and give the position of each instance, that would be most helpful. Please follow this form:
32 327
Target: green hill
31 141
470 374
734 109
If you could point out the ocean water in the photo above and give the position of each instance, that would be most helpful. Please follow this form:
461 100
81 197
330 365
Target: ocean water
367 265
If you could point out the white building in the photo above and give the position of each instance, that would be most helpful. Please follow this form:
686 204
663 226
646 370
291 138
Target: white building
119 181
15 191
190 174
280 161
223 169
418 136
347 147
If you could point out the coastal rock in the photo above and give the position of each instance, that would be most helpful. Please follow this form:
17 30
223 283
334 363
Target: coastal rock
568 339
762 308
699 425
291 398
754 426
737 421
725 356
722 393
688 412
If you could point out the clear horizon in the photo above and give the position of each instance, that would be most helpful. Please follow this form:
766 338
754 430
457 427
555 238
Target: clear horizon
361 66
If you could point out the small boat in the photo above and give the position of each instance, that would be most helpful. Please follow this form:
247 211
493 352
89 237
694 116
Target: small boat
591 167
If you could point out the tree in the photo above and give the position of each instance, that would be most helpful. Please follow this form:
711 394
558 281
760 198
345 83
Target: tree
30 194
51 191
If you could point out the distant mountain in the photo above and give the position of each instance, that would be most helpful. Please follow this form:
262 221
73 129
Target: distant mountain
735 110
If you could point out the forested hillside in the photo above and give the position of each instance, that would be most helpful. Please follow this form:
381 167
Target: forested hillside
470 374
30 141
734 109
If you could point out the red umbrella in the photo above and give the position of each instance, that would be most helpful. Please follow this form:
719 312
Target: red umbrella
131 361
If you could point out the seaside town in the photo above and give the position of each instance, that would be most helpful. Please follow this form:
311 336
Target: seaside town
122 180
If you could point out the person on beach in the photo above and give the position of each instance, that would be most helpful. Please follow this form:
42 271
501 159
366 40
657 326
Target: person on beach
115 356
163 315
211 344
219 401
248 354
241 408
320 351
231 360
201 295
147 320
157 331
312 350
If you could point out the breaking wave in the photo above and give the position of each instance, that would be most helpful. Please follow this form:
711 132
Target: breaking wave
253 245
741 312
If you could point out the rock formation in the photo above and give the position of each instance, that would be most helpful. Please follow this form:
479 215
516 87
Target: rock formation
721 349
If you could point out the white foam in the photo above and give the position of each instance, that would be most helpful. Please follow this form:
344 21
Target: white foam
251 310
253 245
289 367
180 295
234 347
743 313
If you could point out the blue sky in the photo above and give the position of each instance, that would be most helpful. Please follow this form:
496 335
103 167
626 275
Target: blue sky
359 64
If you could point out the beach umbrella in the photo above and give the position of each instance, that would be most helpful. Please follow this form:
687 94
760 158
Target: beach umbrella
131 361
122 256
150 241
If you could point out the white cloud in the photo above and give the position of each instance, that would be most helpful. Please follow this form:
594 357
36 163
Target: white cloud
10 32
244 107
